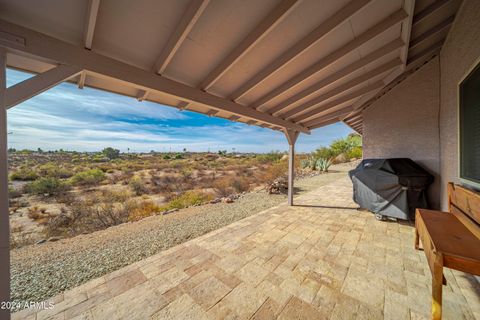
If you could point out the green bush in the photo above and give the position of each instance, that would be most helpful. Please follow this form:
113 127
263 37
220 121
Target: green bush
325 153
88 177
355 153
111 153
51 170
47 185
187 199
272 156
24 173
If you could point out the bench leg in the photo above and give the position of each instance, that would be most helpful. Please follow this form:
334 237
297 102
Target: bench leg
417 240
437 282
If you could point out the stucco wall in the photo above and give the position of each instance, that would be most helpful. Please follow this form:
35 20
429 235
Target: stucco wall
419 117
404 123
459 54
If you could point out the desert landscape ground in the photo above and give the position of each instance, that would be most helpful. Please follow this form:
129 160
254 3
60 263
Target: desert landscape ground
75 216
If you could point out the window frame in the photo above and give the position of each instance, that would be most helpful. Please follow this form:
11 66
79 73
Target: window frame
465 181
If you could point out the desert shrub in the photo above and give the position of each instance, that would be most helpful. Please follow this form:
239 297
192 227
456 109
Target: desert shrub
24 173
223 186
14 193
305 163
169 183
111 153
143 210
275 171
138 186
240 184
186 199
88 177
112 196
49 185
52 170
36 213
272 156
325 153
354 153
323 164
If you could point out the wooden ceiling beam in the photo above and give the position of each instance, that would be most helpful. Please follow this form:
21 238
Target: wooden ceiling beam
335 114
91 20
39 83
189 18
317 111
432 31
344 87
81 79
363 62
419 17
428 51
53 50
324 123
318 33
371 33
255 36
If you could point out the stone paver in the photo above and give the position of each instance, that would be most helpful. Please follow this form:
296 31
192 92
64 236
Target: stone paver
321 259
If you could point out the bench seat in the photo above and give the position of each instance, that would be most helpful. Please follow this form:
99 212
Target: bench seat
451 238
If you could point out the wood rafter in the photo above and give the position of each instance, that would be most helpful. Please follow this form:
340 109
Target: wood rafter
257 34
344 87
432 31
406 30
419 17
81 79
183 105
189 18
332 115
396 44
211 112
32 86
318 33
371 33
428 51
317 111
91 20
54 50
324 123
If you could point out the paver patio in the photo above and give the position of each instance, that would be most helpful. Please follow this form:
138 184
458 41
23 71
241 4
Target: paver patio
321 259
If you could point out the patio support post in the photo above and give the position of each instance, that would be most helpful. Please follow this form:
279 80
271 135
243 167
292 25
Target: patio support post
291 138
4 217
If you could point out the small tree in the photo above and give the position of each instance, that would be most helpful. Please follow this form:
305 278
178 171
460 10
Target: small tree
111 153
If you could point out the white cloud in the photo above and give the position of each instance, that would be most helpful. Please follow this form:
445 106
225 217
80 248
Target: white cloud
68 118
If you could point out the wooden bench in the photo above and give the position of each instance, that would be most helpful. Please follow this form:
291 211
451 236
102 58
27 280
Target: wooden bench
450 239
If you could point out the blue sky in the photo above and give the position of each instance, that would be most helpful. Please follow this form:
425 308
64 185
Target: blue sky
68 118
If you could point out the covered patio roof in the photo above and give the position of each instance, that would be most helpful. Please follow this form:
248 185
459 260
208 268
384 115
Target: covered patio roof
290 64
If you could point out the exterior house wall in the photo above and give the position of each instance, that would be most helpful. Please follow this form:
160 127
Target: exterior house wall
459 54
404 123
419 117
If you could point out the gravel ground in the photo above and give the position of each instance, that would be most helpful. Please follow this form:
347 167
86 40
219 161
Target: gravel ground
39 272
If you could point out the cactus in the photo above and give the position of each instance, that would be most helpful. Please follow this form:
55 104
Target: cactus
323 164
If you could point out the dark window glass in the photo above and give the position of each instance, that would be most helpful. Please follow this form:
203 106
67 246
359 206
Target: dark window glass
470 127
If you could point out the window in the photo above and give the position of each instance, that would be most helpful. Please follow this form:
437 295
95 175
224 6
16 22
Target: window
470 128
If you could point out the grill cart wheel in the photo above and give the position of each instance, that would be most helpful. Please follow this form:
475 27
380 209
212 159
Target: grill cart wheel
379 217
